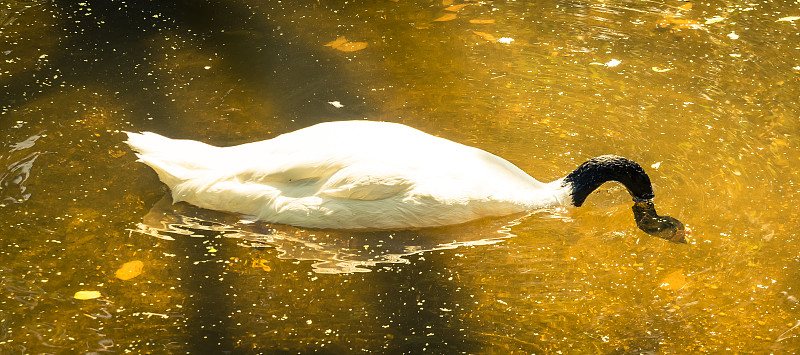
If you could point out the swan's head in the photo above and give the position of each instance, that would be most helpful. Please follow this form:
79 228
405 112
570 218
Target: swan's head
664 227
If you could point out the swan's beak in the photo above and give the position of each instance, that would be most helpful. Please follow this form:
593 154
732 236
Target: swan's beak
647 220
680 236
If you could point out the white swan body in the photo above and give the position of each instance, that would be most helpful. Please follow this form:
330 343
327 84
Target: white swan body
348 174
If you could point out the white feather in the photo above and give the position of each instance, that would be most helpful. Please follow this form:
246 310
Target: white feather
349 174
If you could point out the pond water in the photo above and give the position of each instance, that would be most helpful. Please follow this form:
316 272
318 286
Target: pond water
703 94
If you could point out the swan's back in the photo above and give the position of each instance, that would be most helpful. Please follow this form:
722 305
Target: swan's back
349 174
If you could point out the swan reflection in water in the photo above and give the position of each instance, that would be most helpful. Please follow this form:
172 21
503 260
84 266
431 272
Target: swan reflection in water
331 251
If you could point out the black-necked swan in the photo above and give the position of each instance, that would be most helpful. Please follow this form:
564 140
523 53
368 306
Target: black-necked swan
377 175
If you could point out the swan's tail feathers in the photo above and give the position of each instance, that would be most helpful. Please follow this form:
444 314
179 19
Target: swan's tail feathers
149 143
175 160
170 174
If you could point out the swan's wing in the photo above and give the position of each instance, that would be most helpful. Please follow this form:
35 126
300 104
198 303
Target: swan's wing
375 183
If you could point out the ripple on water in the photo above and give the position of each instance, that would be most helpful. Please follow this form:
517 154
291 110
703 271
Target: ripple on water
17 161
330 251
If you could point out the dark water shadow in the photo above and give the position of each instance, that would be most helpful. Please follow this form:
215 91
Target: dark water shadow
108 46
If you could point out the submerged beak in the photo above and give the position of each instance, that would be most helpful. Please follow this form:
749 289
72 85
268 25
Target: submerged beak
680 236
665 227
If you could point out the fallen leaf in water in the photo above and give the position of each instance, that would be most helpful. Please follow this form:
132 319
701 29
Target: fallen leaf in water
686 6
446 17
336 43
116 153
352 46
343 45
87 295
129 270
788 18
487 36
456 8
715 19
673 281
261 263
481 22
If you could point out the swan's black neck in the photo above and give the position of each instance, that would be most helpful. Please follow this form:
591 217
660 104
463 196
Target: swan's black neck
597 171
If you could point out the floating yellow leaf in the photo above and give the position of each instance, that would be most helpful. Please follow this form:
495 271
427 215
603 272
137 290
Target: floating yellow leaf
686 6
115 153
456 8
446 17
481 22
352 46
715 19
487 36
87 295
343 45
129 270
336 43
789 18
673 281
262 263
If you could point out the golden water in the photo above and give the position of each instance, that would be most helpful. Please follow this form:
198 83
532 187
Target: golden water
703 94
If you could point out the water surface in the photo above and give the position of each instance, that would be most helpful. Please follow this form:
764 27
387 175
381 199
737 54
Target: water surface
702 94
